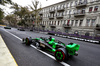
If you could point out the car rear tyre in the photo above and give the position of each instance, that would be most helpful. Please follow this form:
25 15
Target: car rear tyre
61 54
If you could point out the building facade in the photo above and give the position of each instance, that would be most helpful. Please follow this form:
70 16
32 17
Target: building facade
72 16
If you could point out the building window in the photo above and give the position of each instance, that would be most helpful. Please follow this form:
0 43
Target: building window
76 22
60 13
52 22
64 22
55 23
67 5
55 7
93 22
76 3
58 7
72 22
83 11
61 22
96 8
47 22
81 21
88 22
65 12
70 12
90 9
58 23
43 22
47 15
64 5
85 1
80 1
71 4
93 0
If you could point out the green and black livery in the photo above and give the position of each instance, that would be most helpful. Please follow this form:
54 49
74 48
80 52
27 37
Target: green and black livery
60 50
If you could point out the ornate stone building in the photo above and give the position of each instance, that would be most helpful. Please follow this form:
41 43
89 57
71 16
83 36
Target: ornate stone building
72 16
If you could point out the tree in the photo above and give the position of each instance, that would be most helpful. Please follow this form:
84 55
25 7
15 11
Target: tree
35 9
24 11
16 8
3 2
21 12
1 16
11 20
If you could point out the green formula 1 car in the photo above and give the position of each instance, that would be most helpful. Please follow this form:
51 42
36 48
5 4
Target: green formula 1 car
60 50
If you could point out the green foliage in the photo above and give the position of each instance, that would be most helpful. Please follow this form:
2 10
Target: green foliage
36 9
19 23
21 12
3 2
11 20
1 15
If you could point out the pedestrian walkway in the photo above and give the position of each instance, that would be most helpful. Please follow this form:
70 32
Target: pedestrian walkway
6 59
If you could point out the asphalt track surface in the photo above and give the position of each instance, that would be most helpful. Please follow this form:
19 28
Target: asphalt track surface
89 54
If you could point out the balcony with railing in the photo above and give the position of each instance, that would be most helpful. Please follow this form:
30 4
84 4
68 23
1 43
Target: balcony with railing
59 16
97 27
42 25
81 4
52 25
41 13
79 13
60 9
51 17
66 25
52 11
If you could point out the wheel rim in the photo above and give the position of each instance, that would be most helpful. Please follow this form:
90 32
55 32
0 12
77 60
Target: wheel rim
27 41
59 55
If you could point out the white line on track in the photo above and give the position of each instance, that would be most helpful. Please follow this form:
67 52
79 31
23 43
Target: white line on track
12 34
63 63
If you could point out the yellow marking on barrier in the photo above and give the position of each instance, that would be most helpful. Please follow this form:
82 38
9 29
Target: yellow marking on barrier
6 52
3 25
